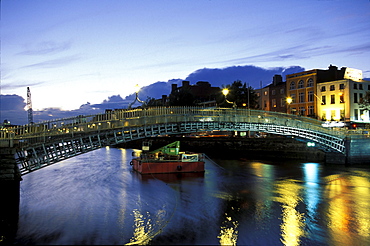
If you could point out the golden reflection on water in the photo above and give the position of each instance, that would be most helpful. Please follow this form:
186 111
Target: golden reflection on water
292 226
143 229
229 233
348 206
362 203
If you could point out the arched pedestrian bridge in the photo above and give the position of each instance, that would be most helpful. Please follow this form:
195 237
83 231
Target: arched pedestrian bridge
42 144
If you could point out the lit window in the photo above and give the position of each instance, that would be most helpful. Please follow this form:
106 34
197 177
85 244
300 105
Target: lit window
323 100
332 99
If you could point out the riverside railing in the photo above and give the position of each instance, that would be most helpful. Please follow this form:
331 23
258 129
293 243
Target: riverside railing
123 118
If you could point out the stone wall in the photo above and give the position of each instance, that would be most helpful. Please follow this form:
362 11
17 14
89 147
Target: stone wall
240 147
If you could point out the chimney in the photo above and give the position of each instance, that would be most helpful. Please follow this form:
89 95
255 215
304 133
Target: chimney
174 87
185 83
277 79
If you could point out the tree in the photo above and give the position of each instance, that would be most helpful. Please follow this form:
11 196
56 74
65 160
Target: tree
365 102
240 94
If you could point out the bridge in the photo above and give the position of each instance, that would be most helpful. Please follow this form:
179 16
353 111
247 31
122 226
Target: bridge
39 145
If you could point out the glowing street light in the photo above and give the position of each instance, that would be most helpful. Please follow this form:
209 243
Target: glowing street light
289 100
137 89
225 91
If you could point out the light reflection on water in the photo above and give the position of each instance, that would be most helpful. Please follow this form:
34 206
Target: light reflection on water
95 198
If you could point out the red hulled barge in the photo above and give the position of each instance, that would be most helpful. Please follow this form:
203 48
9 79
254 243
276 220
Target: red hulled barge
167 159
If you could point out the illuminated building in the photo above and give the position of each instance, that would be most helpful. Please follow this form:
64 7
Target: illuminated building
339 100
302 89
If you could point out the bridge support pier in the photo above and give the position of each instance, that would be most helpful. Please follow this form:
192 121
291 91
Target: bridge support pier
357 151
10 194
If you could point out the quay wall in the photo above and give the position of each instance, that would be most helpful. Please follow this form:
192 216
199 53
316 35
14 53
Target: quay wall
240 147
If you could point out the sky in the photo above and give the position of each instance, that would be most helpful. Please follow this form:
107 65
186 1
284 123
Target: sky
79 54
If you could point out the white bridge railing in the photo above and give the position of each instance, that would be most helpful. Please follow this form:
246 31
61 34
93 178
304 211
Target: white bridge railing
83 124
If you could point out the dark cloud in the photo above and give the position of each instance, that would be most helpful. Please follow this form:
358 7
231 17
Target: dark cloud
12 106
250 74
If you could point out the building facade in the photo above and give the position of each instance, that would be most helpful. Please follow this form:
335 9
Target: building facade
301 89
339 101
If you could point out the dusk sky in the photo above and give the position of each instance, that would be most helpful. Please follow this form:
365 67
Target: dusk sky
70 52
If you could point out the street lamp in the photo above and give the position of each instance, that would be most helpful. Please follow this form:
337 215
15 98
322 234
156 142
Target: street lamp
137 89
225 91
289 100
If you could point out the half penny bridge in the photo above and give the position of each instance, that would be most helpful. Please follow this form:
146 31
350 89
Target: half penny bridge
24 149
30 147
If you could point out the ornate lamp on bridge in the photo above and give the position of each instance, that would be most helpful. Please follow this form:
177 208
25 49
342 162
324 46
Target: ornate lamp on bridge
137 89
289 100
225 91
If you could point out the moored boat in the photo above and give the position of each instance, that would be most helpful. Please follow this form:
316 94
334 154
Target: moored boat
168 159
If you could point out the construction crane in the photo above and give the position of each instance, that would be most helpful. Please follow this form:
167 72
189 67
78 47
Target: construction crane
29 106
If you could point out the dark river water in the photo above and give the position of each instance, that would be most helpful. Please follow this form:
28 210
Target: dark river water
96 198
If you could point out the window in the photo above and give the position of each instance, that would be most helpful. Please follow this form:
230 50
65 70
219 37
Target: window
310 110
341 86
360 87
273 92
361 95
293 97
300 84
258 94
332 88
323 100
282 91
302 111
342 115
310 83
274 103
355 99
282 102
265 93
332 114
323 88
301 97
310 96
332 99
341 98
355 86
292 85
356 114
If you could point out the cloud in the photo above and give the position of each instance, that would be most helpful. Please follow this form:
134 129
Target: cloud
20 85
47 47
12 106
55 62
250 74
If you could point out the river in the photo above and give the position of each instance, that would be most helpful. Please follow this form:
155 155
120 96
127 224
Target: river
96 198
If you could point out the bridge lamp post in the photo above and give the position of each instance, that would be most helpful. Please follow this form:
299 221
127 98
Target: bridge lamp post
137 89
289 100
225 91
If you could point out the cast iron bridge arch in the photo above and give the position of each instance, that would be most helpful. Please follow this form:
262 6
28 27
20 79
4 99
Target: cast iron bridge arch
45 143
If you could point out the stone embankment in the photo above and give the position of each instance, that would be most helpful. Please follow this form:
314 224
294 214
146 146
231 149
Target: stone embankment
240 147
